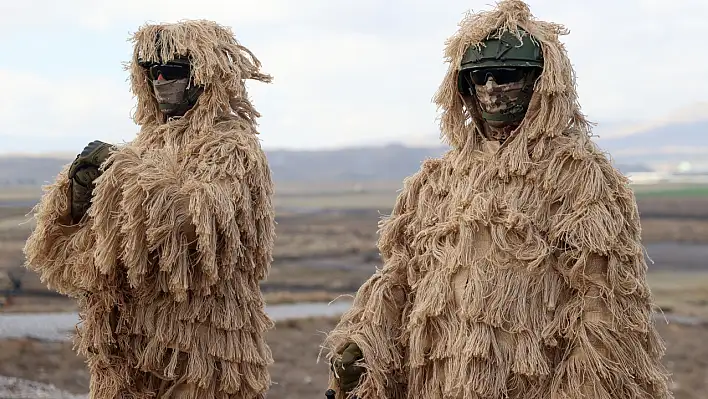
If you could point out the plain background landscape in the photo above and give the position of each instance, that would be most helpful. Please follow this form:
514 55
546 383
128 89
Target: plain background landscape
326 248
347 117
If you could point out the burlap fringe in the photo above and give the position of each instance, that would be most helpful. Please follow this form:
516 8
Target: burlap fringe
513 271
166 265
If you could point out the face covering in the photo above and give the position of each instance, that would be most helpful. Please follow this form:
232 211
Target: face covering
170 94
504 105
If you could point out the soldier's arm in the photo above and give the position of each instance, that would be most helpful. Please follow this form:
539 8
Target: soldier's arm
378 314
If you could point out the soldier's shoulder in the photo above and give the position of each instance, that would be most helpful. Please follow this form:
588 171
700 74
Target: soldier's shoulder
236 131
577 151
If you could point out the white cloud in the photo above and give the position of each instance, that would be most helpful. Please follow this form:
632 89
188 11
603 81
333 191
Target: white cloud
337 89
97 14
642 60
348 72
44 108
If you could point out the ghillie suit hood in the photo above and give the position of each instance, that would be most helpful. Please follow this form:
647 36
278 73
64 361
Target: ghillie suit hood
218 63
166 263
514 270
554 109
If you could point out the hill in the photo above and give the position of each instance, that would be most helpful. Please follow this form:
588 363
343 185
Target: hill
388 163
676 142
364 164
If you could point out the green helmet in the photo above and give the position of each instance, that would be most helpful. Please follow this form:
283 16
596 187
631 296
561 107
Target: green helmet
505 51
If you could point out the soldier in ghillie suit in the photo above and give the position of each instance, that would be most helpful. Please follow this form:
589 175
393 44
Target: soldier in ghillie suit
163 240
513 266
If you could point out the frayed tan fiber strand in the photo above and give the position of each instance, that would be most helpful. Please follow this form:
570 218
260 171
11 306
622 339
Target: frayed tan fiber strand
219 63
510 271
166 265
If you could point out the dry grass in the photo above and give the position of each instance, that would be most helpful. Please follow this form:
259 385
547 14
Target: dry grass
332 233
675 230
297 374
678 207
19 193
60 304
39 305
283 297
320 255
351 200
681 293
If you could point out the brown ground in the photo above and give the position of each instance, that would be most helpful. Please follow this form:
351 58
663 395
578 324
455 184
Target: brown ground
323 254
332 252
297 374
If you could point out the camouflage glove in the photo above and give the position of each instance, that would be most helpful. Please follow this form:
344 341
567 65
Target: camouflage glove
82 173
347 372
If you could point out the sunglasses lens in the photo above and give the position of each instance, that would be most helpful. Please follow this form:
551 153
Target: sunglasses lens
478 77
505 76
169 72
500 75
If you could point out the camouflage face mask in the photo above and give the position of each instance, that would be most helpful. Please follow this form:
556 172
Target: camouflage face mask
504 104
170 94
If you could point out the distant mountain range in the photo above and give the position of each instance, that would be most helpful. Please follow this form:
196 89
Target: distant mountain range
672 143
388 163
638 151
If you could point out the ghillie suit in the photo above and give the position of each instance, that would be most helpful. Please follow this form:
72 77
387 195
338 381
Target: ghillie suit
166 262
511 270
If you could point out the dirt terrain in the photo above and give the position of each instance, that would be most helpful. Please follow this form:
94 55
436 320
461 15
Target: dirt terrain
296 373
321 253
327 250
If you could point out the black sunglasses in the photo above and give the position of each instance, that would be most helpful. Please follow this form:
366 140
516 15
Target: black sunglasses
168 71
500 75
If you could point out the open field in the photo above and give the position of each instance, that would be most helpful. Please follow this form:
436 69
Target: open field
671 190
297 374
682 293
20 193
381 195
329 248
326 247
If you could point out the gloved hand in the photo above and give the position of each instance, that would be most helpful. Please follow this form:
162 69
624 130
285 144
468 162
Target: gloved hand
82 173
348 373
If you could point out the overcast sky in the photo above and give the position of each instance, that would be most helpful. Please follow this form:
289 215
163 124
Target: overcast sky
346 72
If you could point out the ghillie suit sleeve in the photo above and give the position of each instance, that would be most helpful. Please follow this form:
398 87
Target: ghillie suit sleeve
377 317
520 265
612 347
166 264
